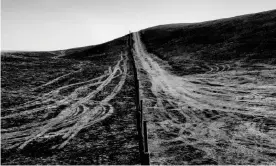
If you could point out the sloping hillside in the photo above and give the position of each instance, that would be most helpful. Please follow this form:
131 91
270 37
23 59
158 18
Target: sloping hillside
72 106
250 38
209 90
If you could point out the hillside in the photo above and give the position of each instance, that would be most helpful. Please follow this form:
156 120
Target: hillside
247 38
208 92
68 107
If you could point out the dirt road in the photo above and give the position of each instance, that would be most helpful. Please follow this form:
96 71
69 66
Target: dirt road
210 118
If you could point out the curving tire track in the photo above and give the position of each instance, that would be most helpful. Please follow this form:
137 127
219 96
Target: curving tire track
201 116
80 111
213 69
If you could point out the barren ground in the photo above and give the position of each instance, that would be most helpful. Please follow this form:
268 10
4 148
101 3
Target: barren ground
226 115
67 111
208 91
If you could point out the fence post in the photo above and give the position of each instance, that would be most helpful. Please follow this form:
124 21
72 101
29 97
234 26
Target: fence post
137 93
146 136
146 160
141 129
141 146
141 110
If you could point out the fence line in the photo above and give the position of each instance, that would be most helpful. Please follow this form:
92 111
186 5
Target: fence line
141 124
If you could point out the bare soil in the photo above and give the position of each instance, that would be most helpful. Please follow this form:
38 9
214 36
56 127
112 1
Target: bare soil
208 93
224 114
60 110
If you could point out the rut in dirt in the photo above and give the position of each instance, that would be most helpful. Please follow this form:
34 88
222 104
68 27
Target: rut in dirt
75 103
206 118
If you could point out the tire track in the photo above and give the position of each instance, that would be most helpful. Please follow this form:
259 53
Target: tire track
60 78
216 68
200 116
80 113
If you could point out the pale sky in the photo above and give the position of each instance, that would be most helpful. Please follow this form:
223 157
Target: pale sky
60 24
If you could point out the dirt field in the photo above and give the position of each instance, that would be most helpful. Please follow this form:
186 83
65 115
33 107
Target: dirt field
226 115
208 91
76 116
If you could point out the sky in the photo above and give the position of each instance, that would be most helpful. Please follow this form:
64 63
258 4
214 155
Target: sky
60 24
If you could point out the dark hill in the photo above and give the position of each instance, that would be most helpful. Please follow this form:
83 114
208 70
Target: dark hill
250 38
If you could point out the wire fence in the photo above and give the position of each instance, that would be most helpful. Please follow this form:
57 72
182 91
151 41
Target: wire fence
141 124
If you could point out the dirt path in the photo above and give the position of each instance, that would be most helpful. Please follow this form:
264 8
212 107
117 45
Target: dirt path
77 109
209 118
